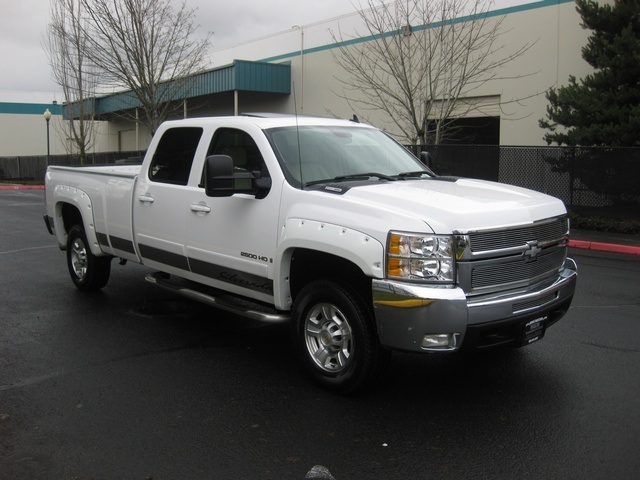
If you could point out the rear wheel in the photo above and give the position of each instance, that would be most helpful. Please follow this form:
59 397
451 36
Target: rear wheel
335 337
88 271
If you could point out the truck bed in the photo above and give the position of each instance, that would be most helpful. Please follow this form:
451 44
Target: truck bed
102 195
129 171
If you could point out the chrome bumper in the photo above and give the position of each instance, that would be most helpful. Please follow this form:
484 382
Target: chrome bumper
405 313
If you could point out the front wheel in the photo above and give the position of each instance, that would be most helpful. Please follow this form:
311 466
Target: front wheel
88 271
334 335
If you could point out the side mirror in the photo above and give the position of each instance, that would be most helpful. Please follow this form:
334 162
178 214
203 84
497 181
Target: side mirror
221 179
262 184
218 176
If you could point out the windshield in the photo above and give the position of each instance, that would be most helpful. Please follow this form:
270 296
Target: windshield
334 153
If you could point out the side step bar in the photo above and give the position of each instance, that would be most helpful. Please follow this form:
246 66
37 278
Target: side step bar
230 304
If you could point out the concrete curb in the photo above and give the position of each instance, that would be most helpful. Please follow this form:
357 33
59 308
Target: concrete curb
21 187
604 247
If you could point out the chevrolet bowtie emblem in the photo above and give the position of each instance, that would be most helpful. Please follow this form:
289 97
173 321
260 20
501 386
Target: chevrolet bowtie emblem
532 251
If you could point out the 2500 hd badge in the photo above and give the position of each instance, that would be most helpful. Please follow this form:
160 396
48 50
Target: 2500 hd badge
262 258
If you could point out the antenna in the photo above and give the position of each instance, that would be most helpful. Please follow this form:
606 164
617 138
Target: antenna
295 110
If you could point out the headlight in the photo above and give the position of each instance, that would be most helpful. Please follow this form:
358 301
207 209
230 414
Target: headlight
421 258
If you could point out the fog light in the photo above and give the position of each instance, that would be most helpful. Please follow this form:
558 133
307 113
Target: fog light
440 341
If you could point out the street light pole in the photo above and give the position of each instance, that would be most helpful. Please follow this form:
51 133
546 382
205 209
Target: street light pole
47 117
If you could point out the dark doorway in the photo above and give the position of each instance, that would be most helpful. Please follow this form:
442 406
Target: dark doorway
473 131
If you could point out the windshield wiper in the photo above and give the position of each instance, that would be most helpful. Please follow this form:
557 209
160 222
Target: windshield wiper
416 174
352 176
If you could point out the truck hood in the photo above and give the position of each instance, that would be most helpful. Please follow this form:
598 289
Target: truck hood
463 205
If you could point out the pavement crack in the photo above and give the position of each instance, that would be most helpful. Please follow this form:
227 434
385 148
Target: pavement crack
623 305
32 381
609 347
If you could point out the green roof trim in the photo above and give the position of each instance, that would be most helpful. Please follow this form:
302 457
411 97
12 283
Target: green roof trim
241 75
21 108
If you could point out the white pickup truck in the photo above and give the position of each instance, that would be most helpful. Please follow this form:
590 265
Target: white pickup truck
328 225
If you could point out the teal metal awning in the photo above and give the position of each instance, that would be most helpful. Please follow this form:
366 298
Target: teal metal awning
241 75
20 108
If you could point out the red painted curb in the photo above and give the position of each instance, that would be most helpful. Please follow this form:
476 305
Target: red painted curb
21 187
605 247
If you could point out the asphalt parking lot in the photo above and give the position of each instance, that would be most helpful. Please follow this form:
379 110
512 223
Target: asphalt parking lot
131 383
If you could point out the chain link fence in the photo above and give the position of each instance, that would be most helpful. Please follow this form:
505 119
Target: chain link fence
594 181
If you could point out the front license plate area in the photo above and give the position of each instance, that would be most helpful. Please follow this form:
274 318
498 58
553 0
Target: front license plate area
533 330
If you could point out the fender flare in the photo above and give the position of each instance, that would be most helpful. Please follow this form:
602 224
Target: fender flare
359 248
64 194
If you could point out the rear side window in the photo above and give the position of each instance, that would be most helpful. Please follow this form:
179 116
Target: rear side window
174 155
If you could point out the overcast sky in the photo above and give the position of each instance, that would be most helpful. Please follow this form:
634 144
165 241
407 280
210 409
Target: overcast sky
23 24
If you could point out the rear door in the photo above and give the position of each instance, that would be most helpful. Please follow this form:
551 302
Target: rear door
162 199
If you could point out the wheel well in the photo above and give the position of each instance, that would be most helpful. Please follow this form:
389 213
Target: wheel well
308 265
70 216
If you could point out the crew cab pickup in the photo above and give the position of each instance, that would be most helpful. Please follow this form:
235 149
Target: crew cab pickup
328 225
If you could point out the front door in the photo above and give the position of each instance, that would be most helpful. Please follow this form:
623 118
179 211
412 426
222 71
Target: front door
231 241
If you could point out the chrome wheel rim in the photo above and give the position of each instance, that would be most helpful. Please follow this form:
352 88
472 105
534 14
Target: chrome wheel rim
79 258
328 338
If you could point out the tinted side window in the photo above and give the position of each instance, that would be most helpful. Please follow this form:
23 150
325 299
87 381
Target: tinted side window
172 160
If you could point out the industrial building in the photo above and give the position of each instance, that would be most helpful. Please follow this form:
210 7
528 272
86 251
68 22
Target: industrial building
296 71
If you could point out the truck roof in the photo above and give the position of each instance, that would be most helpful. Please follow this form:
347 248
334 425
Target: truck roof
266 120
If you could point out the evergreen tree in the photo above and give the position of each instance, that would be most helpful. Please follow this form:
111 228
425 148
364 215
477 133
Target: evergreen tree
603 108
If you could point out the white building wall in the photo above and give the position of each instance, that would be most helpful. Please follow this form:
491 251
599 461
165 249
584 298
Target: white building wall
26 134
557 38
23 128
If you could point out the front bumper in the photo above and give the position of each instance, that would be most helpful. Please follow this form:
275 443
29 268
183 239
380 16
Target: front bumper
406 313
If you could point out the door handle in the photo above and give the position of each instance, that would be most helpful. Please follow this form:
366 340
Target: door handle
200 208
146 198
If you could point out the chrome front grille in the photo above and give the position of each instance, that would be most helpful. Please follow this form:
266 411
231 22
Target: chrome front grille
516 271
538 302
516 237
499 260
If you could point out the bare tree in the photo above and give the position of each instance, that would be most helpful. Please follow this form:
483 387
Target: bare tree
420 61
147 47
65 45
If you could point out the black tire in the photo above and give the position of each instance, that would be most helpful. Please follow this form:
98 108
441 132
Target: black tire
88 272
334 336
